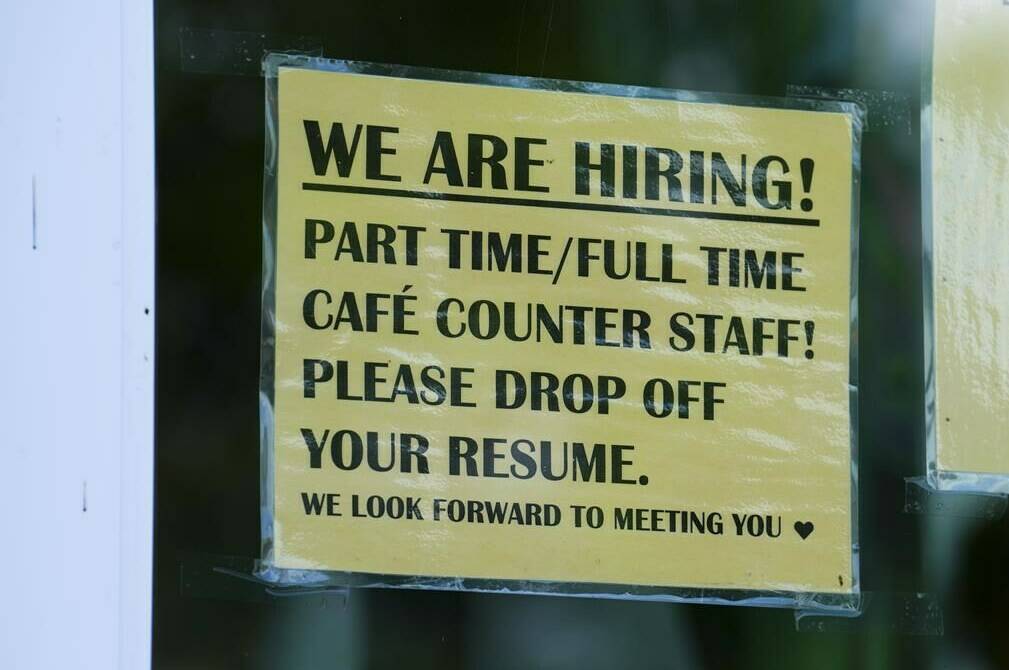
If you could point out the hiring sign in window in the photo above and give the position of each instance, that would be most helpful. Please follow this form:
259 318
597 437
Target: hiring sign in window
542 333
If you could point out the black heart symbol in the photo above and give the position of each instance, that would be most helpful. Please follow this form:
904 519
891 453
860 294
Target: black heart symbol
804 528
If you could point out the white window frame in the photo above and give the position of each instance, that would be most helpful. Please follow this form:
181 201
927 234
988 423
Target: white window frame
77 347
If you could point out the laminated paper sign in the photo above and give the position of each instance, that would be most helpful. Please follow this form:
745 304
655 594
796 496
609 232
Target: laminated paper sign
966 148
559 333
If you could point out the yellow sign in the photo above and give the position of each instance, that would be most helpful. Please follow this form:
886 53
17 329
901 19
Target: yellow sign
562 336
969 176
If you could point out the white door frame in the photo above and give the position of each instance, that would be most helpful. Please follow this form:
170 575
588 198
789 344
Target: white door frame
77 346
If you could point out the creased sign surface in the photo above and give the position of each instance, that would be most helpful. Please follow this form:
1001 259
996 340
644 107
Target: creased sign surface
970 236
540 335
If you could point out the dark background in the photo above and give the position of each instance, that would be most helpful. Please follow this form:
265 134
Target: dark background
210 155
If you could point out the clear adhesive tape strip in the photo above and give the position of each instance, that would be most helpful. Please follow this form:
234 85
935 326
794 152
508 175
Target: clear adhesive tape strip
886 110
236 52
